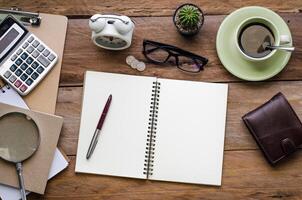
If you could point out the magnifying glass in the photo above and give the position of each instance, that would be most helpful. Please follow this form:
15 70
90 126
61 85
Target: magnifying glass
19 140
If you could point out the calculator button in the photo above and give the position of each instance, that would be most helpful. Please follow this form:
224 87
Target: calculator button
18 72
30 39
23 77
40 69
35 54
25 45
51 57
12 79
24 66
46 52
36 43
34 75
23 88
19 51
34 65
14 57
41 48
30 49
29 82
29 60
13 68
18 83
24 56
43 60
18 61
29 71
7 74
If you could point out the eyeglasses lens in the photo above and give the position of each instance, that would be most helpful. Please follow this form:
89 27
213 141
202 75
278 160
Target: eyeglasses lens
188 64
155 53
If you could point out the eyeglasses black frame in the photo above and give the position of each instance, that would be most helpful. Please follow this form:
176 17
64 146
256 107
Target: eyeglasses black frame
175 52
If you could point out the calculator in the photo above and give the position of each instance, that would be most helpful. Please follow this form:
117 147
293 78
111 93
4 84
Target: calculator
24 59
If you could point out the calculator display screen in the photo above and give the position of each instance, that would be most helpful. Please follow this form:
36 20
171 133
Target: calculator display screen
11 32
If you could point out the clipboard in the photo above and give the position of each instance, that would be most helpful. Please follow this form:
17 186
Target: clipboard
43 98
27 18
52 31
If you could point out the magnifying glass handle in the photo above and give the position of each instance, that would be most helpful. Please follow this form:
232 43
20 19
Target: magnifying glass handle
21 180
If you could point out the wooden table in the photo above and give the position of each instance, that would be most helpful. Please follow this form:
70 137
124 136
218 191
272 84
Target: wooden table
246 174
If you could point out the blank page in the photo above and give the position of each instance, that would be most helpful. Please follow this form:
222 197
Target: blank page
121 147
190 132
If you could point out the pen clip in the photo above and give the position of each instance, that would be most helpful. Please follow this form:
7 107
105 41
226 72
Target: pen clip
26 18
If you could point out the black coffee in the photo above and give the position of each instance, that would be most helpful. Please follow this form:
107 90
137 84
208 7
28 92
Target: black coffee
253 38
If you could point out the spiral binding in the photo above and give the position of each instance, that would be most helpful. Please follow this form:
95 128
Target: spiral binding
152 126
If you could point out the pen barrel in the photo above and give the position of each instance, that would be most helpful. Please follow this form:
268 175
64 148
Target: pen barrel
93 143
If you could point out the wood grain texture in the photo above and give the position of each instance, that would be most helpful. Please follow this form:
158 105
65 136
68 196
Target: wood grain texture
81 54
241 99
246 175
76 8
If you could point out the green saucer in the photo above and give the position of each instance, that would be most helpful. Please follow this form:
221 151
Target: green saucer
230 56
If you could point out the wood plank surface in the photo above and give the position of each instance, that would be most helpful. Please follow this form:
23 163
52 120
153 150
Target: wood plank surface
81 54
246 175
76 8
242 98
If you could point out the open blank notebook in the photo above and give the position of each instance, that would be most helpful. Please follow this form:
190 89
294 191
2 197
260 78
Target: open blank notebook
157 129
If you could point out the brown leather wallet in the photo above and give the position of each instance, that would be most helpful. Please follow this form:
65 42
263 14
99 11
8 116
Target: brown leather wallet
275 127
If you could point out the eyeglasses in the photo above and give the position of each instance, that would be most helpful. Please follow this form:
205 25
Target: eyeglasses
161 53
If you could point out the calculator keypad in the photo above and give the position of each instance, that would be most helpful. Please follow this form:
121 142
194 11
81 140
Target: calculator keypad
24 56
29 64
14 57
18 83
12 78
30 39
18 72
43 60
7 74
30 49
24 66
13 68
18 62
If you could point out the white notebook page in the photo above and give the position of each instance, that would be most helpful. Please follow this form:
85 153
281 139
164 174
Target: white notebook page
190 132
121 146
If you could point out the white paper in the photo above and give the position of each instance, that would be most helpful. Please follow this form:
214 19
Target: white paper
121 146
190 132
10 96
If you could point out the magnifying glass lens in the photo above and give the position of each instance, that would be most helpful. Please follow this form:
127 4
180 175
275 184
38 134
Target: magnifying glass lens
19 137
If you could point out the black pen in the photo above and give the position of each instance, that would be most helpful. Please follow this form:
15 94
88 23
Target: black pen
97 131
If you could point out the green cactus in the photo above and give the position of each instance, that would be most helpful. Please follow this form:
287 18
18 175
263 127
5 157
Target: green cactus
189 16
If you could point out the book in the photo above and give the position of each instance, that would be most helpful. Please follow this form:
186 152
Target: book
36 168
9 96
156 129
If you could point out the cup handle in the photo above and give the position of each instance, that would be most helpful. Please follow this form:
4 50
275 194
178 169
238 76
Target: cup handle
284 39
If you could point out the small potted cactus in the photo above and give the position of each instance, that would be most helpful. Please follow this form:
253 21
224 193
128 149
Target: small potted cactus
188 19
